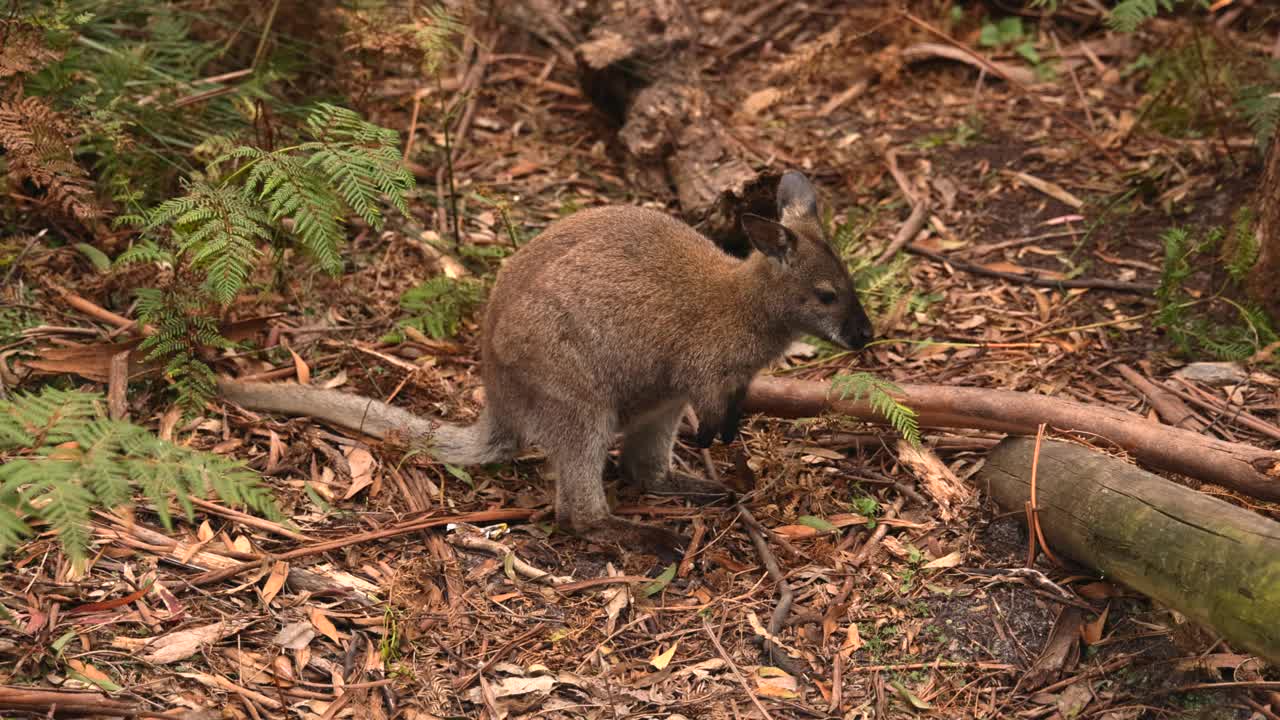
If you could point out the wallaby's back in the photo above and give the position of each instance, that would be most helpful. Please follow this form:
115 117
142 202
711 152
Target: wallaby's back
612 307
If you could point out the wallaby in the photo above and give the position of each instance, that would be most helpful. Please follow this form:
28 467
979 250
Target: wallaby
612 320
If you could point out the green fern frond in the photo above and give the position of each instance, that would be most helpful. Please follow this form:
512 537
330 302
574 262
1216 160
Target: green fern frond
1260 106
880 394
435 37
1128 15
439 305
73 461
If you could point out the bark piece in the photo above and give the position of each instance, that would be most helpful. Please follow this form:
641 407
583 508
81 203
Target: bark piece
1215 563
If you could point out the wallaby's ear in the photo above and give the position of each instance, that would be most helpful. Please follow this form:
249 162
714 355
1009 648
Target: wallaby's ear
771 238
796 196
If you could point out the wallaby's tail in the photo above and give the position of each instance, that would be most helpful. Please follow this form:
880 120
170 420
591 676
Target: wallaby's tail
482 442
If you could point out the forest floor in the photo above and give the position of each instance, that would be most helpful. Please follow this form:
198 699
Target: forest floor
902 619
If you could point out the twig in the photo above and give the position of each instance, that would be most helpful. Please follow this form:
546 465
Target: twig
1033 517
1032 279
979 664
864 552
17 262
462 683
97 311
785 596
401 529
1020 87
1166 403
475 542
1238 415
909 229
746 687
250 520
686 562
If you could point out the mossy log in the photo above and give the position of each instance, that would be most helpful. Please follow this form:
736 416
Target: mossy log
1215 563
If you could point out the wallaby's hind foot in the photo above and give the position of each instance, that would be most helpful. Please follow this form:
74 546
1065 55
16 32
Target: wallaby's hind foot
665 544
695 488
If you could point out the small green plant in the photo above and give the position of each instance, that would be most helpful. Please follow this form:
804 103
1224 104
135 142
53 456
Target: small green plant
880 393
63 458
1260 106
1236 250
1129 15
1009 32
212 236
439 305
867 506
962 135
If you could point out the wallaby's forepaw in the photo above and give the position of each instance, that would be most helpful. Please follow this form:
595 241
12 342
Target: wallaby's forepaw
678 483
667 545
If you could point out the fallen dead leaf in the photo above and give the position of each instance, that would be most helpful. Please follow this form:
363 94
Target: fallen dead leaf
300 366
661 660
324 625
761 100
775 683
182 644
362 467
951 559
275 581
295 635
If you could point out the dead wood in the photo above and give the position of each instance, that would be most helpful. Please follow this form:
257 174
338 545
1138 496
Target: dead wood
1261 283
1216 563
60 703
1241 467
1032 278
1168 405
638 67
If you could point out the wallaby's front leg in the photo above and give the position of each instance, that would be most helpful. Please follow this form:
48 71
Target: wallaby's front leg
719 414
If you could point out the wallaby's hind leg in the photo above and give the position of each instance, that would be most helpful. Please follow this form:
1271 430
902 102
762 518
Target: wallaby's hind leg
646 457
578 457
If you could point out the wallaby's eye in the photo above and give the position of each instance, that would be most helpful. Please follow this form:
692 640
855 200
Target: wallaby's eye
826 296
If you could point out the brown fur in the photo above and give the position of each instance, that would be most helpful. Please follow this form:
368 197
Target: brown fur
612 320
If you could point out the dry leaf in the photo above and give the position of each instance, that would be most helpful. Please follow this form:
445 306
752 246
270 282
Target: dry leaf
951 559
93 674
362 466
795 531
295 635
182 644
775 683
324 625
1091 632
275 581
761 100
304 372
661 660
616 600
852 640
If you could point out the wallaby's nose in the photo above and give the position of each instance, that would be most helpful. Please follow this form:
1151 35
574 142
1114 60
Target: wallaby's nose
858 331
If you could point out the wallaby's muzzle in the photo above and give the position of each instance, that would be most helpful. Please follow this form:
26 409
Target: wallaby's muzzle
857 330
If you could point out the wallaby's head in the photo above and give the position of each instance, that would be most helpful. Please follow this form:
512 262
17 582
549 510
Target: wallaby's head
811 286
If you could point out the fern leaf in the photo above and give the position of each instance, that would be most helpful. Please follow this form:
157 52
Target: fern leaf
879 394
1128 15
59 483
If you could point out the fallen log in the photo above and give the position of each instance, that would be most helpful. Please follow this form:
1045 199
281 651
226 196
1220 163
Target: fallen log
1215 563
61 703
1243 468
1240 467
